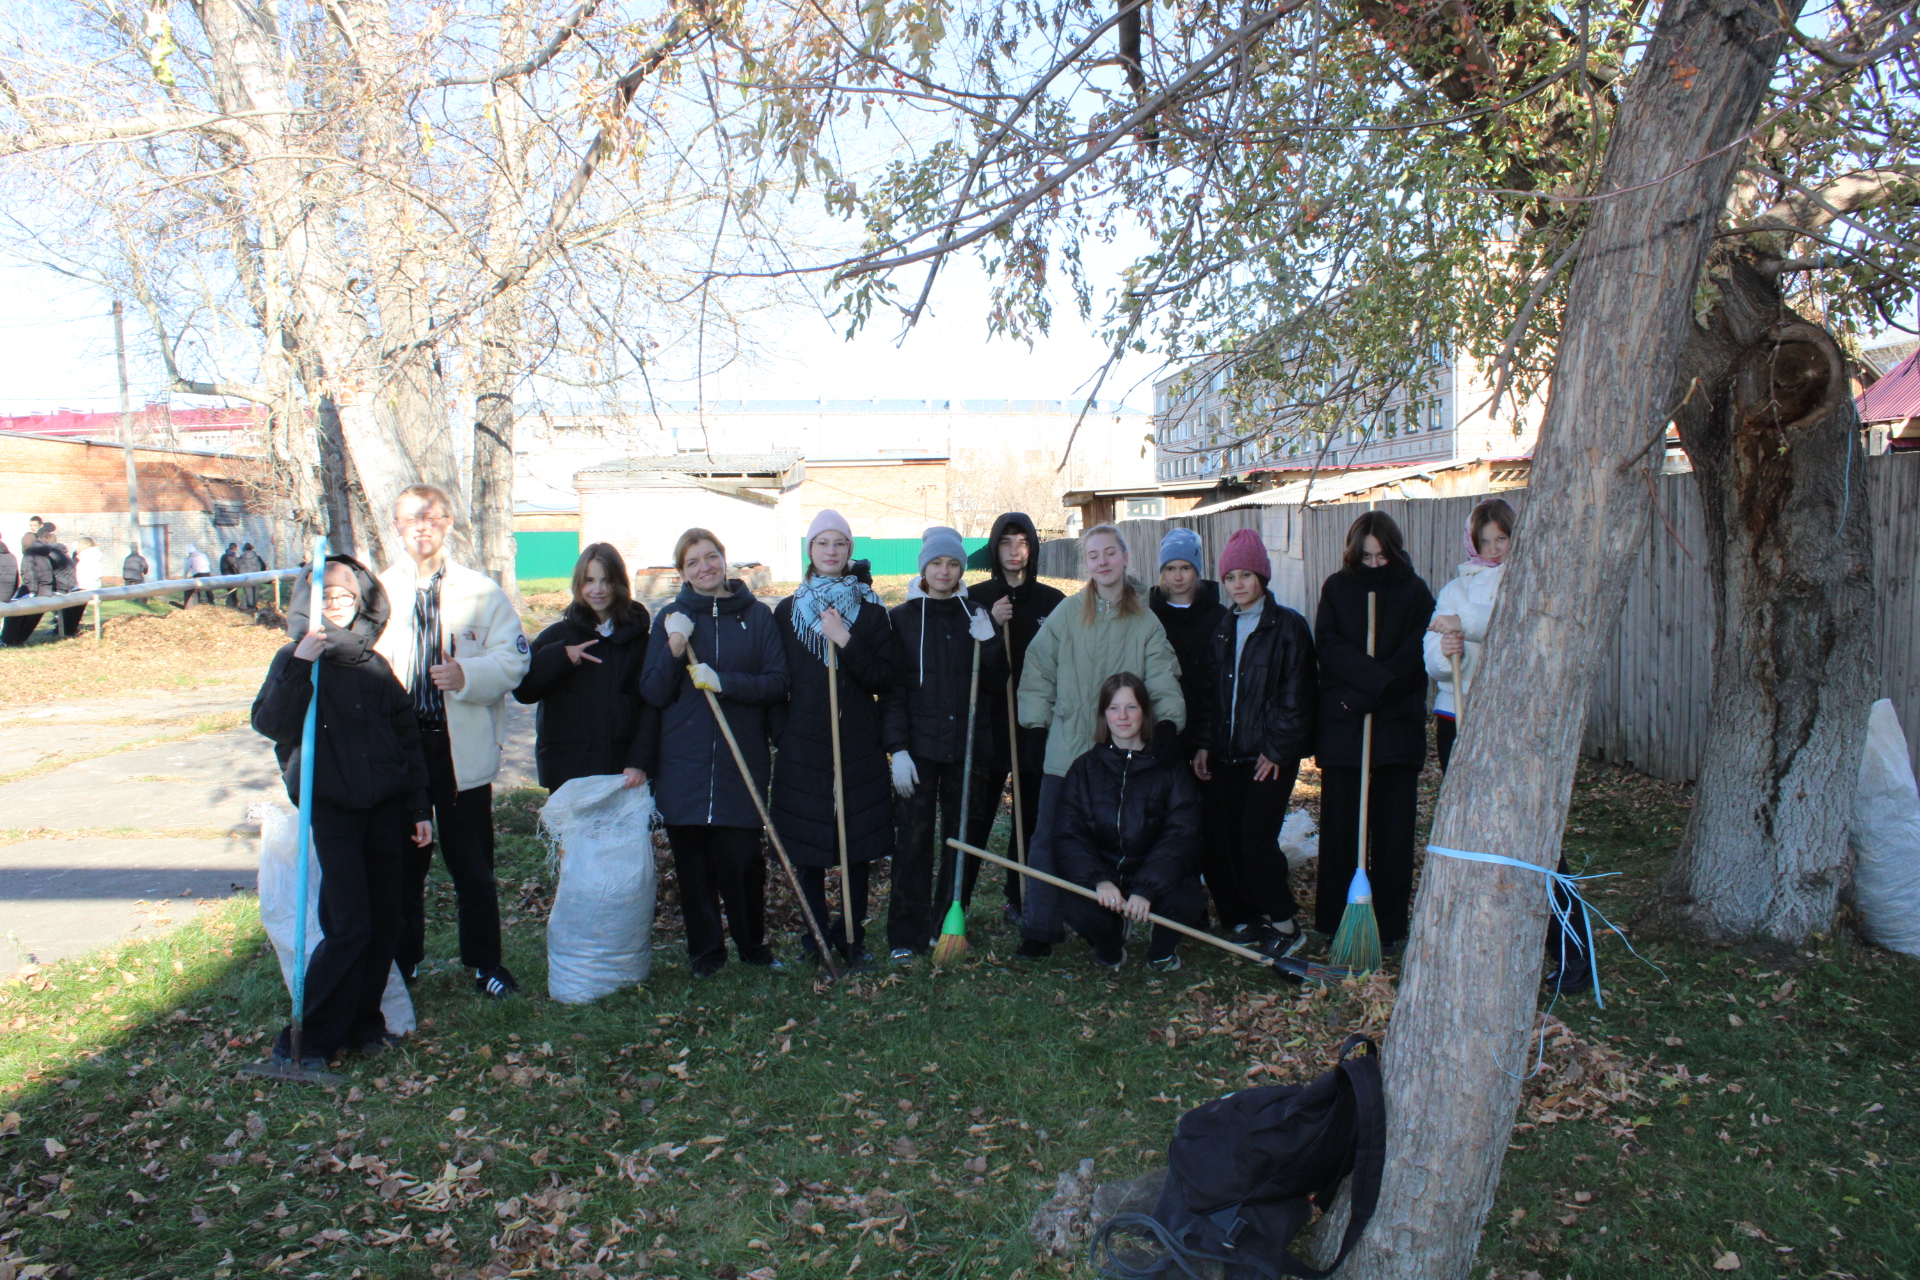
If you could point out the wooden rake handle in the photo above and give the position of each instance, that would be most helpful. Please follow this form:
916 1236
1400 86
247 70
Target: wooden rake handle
766 820
1245 953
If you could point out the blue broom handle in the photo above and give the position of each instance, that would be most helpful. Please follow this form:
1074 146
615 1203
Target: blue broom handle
307 735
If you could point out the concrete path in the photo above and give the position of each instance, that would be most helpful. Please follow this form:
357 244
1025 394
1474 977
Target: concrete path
106 838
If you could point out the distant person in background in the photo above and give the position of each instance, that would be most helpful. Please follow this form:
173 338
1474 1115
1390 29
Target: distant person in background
197 567
33 533
249 561
9 572
230 564
55 576
133 570
34 570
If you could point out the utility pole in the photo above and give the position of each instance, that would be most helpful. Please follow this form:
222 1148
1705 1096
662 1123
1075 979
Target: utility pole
126 433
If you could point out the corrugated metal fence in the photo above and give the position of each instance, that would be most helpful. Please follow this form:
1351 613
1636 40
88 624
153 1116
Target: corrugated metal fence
1651 696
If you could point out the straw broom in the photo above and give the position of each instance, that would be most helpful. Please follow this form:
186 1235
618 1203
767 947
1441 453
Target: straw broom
953 930
1357 944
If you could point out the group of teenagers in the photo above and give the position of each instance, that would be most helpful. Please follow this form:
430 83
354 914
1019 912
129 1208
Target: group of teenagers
1151 737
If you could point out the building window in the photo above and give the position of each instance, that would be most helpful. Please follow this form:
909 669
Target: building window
228 515
1145 508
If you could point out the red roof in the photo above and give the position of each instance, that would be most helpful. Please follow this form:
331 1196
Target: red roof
79 422
1896 397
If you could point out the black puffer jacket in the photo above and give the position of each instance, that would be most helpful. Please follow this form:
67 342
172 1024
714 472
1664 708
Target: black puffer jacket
1264 706
249 561
802 801
366 743
9 573
46 569
697 783
1392 685
1127 817
1190 632
591 719
1032 600
925 710
133 570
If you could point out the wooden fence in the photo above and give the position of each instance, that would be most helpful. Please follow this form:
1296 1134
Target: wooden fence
1651 696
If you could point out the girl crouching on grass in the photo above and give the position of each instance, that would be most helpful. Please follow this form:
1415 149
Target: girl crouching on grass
369 799
1129 829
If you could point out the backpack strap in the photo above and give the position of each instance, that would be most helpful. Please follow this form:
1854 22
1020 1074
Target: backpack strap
1370 1149
1179 1259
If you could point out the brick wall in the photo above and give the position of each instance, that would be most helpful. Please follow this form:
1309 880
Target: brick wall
82 488
888 500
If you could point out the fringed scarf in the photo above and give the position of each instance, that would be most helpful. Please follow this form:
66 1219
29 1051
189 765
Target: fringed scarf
844 595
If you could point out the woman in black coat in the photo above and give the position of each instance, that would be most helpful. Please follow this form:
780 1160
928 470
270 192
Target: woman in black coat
716 626
369 799
1392 686
1254 727
584 677
1129 828
832 607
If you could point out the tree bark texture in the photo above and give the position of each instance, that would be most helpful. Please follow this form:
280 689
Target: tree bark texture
1775 444
1469 994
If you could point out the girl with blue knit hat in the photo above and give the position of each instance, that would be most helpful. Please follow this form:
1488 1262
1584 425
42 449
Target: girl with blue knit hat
925 718
833 608
1189 608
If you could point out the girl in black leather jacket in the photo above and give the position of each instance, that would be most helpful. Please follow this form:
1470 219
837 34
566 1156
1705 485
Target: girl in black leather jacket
1129 828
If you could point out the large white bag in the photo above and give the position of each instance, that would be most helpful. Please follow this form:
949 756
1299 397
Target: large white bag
600 935
280 890
1299 839
1886 836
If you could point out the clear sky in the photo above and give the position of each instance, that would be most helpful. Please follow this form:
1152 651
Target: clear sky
56 350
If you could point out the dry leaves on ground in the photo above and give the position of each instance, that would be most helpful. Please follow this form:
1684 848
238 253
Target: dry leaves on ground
143 653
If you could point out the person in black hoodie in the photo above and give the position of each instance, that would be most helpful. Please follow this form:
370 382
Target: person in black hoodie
9 572
716 626
1392 687
1018 602
1128 827
925 718
1189 608
833 607
1254 728
369 799
584 676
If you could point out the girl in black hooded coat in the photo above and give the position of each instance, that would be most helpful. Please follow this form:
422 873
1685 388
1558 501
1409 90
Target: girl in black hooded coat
1392 686
833 607
584 677
369 799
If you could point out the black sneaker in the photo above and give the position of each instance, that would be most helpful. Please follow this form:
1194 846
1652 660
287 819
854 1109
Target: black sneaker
378 1044
1011 913
1573 980
706 968
901 957
770 962
496 982
1112 961
1165 964
1279 944
1031 950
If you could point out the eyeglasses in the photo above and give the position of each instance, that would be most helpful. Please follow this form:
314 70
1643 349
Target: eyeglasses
339 598
425 519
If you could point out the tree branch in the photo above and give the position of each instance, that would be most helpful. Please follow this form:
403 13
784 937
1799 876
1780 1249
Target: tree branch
541 56
129 129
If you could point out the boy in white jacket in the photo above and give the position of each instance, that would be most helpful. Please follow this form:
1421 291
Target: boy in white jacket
454 640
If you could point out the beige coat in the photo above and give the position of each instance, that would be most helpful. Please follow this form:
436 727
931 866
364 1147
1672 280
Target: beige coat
1068 662
481 632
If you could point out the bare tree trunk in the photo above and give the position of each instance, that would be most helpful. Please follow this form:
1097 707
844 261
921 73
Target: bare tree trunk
1469 995
1774 440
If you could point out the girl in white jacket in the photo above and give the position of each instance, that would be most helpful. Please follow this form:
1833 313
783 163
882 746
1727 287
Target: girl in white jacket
1462 612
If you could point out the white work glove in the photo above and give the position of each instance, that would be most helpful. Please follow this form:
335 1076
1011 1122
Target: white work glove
905 776
705 677
980 625
680 624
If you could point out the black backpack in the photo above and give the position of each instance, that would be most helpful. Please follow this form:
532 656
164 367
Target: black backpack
1244 1172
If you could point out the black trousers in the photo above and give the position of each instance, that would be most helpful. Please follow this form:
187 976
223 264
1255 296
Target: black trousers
1104 930
919 898
813 888
1392 808
721 868
187 596
16 630
989 789
70 619
1240 854
359 851
463 822
1566 947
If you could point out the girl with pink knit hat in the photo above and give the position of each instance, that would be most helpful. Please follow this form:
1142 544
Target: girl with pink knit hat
1251 732
833 608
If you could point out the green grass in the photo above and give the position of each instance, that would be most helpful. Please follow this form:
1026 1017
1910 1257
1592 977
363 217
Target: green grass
912 1121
